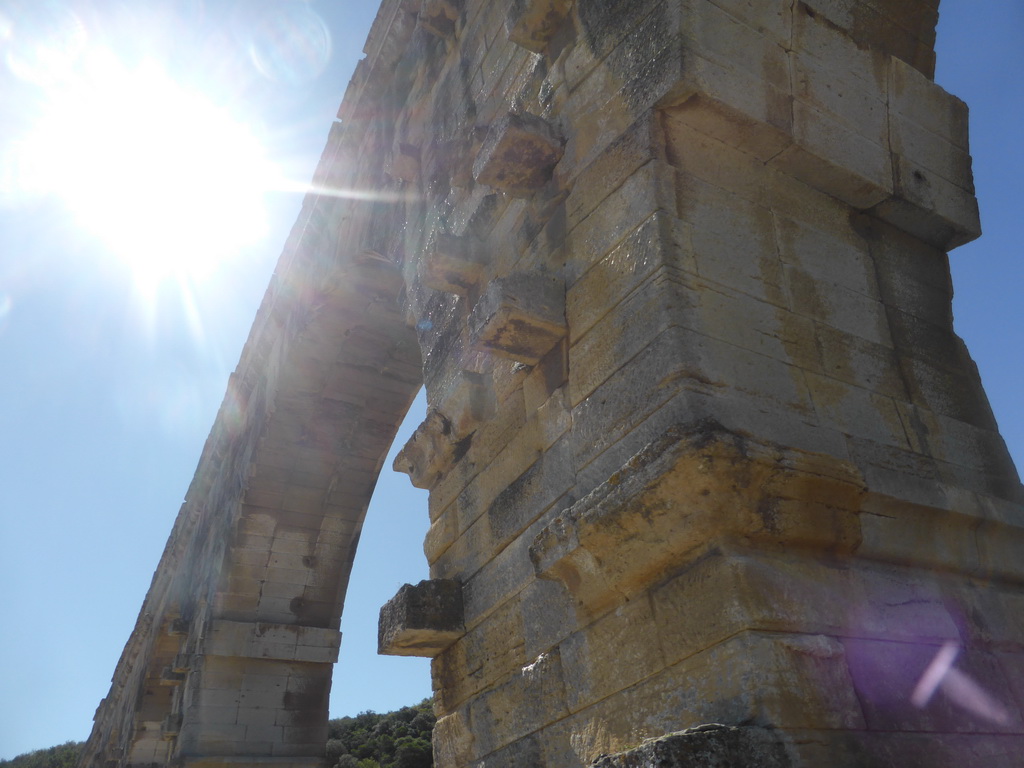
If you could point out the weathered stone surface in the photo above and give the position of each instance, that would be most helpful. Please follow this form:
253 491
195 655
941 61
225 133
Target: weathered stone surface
520 317
286 642
518 155
430 451
665 505
404 163
421 620
438 17
453 264
532 23
708 746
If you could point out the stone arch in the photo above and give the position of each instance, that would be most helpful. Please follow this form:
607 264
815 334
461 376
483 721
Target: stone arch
240 628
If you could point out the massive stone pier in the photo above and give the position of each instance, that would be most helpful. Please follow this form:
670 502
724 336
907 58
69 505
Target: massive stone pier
702 447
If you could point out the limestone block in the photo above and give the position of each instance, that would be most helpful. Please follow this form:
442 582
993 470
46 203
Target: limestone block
904 28
637 146
609 280
520 317
530 698
430 453
917 97
930 150
171 726
532 23
830 156
723 225
917 534
790 594
681 366
492 650
178 626
929 207
545 379
403 164
662 301
860 106
469 400
772 18
611 654
790 681
735 106
825 37
438 17
452 264
264 640
548 615
857 411
676 496
371 273
645 194
518 155
531 494
169 676
706 746
453 739
421 620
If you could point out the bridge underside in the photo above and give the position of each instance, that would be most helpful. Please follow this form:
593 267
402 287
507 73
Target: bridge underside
702 445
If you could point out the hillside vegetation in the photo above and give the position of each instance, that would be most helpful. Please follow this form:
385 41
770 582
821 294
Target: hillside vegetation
399 739
63 756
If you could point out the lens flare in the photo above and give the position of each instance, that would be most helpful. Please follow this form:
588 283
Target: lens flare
290 43
44 40
165 179
958 687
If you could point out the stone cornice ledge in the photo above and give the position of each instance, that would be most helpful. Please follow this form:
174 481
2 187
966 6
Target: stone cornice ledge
697 486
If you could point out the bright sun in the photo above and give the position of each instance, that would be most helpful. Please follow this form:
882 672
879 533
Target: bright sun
166 180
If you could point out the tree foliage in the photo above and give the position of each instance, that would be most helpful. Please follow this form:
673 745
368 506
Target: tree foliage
62 756
399 739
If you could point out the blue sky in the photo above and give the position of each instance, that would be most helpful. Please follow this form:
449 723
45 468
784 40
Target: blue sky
112 367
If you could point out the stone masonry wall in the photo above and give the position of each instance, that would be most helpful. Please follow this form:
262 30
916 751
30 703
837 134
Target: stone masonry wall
702 445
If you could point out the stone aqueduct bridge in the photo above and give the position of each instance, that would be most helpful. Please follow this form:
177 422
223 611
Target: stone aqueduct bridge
702 445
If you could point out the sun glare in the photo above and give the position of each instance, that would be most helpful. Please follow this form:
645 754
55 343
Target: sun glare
164 179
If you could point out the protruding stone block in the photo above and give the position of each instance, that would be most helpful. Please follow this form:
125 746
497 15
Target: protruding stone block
532 23
452 264
696 485
438 17
421 620
404 163
469 400
178 627
707 746
171 726
430 452
518 155
520 317
170 676
929 207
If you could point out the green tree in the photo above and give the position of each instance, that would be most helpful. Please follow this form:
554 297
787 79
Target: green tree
62 756
399 739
